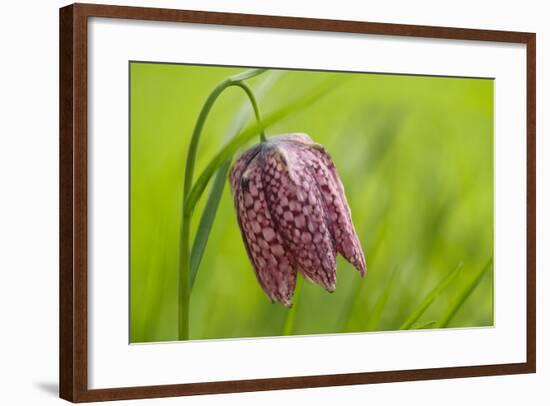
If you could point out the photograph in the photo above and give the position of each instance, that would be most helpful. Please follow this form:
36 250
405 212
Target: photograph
274 204
269 202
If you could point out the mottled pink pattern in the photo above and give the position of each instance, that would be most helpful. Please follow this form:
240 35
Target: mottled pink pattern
339 213
264 244
293 214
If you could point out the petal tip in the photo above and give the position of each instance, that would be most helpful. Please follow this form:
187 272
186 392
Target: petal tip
362 268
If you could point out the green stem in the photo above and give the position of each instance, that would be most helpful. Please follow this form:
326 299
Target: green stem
199 241
192 195
183 282
185 229
254 104
230 148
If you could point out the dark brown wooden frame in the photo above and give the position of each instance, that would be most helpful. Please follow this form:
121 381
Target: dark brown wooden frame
73 361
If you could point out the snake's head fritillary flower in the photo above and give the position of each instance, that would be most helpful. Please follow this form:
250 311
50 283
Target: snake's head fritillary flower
293 214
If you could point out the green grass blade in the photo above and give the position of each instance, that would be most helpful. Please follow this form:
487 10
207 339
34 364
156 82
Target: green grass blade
218 186
207 220
374 317
466 292
415 315
428 324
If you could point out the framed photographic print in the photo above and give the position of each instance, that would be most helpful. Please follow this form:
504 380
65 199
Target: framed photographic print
255 202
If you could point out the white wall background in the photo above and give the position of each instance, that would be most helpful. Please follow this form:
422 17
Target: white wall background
29 189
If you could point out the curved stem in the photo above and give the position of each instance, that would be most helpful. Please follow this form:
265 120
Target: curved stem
232 146
254 103
185 229
192 195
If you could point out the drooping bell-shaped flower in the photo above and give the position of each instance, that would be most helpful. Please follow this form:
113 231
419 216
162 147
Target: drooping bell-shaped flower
293 214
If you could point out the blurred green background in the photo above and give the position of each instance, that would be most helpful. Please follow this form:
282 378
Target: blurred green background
414 153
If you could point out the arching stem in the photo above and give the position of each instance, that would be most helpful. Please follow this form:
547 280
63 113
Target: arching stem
254 104
187 214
